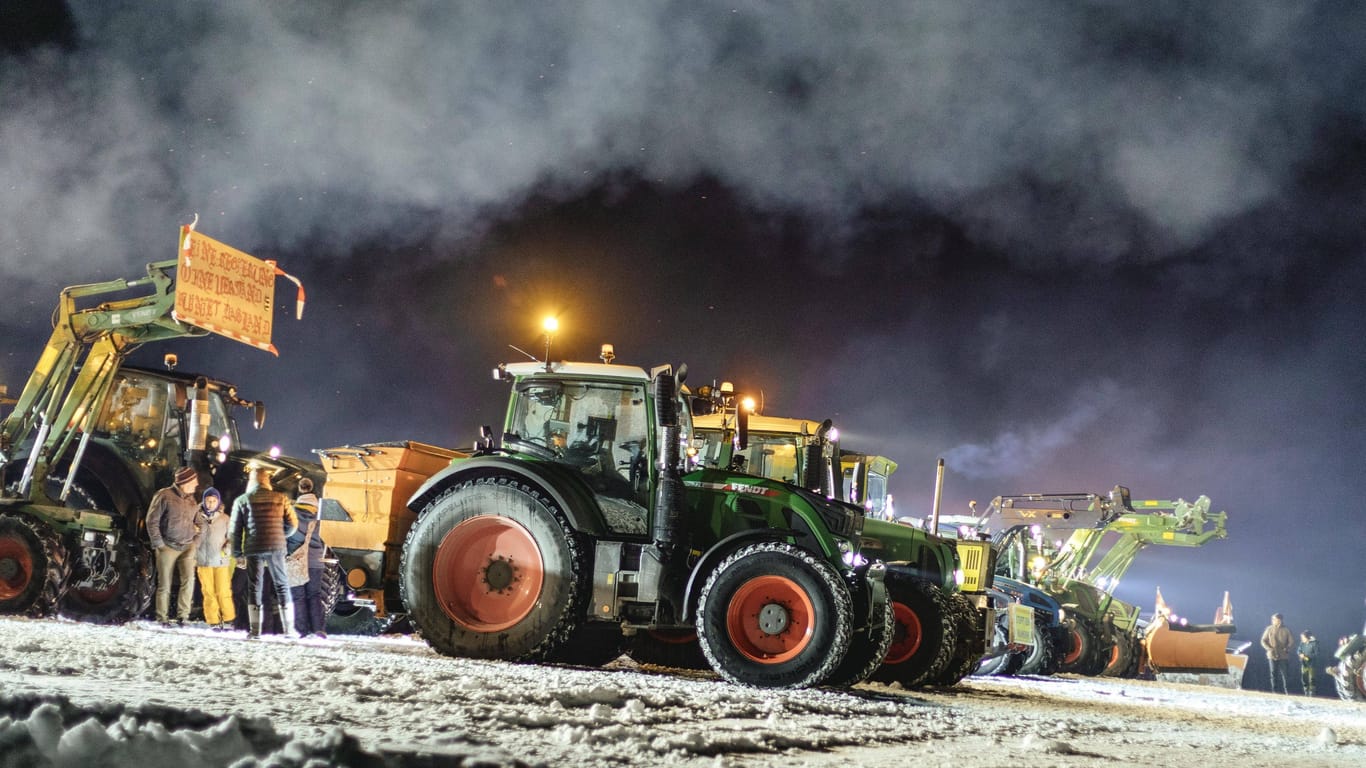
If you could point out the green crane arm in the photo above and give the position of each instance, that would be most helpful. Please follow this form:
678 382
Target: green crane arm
59 400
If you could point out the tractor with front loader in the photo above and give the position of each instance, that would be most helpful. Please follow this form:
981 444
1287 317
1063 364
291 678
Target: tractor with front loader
584 526
1106 636
89 440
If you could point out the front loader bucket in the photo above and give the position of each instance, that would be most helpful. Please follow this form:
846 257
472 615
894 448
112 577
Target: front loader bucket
1193 648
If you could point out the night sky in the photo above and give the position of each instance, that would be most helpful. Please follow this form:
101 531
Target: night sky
1063 245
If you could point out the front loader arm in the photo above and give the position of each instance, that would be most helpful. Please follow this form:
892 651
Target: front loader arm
95 340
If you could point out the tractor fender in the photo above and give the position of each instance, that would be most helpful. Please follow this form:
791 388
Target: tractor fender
713 557
562 484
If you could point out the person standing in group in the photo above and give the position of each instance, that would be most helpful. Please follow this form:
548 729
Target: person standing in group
308 598
262 518
215 562
1309 656
1276 641
173 529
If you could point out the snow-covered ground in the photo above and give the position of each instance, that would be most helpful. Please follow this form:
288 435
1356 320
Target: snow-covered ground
152 697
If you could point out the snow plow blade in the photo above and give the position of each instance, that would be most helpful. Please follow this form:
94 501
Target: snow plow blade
1192 648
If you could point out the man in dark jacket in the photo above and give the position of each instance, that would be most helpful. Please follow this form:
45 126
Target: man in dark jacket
262 518
173 527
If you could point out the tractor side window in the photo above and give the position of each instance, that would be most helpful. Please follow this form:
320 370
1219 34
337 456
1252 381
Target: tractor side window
600 429
135 413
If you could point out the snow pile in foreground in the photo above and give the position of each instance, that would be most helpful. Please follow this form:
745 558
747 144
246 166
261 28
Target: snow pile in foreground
58 734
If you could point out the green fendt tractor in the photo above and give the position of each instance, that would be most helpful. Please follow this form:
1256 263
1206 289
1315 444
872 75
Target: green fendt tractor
1105 634
585 527
942 599
89 440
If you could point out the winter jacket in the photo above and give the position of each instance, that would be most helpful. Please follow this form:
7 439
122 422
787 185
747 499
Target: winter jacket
306 507
172 519
1277 641
1308 651
213 539
261 520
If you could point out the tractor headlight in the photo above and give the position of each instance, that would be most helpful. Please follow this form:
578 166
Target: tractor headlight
848 555
958 576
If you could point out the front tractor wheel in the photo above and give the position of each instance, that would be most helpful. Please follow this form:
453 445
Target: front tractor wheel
924 636
1089 652
1350 677
774 616
110 587
33 566
490 570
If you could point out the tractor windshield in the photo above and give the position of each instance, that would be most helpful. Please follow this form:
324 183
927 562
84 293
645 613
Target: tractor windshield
599 428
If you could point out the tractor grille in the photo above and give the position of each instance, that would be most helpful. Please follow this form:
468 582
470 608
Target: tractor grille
975 558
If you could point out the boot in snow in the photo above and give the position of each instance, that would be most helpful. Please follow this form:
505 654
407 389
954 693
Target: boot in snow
287 621
253 622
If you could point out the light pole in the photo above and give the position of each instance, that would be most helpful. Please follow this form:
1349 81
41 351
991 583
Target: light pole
550 324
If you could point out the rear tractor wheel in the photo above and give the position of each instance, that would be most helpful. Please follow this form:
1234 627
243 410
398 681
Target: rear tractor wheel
774 616
33 566
491 570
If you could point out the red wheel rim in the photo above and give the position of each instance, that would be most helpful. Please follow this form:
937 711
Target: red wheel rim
488 573
770 619
16 566
907 635
1074 652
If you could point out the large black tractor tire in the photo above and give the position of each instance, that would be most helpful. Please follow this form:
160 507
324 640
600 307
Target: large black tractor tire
667 648
33 567
870 642
966 652
1089 650
1350 677
924 633
1125 656
119 599
331 586
772 615
1042 657
491 570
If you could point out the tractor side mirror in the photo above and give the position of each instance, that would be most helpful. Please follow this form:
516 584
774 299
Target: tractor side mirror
258 417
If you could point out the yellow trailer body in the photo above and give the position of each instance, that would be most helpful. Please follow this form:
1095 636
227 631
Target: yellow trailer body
364 501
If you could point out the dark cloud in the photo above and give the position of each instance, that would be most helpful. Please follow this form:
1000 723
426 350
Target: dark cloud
1064 245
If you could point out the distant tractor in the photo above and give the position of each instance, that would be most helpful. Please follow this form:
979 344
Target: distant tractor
89 440
1105 636
583 528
